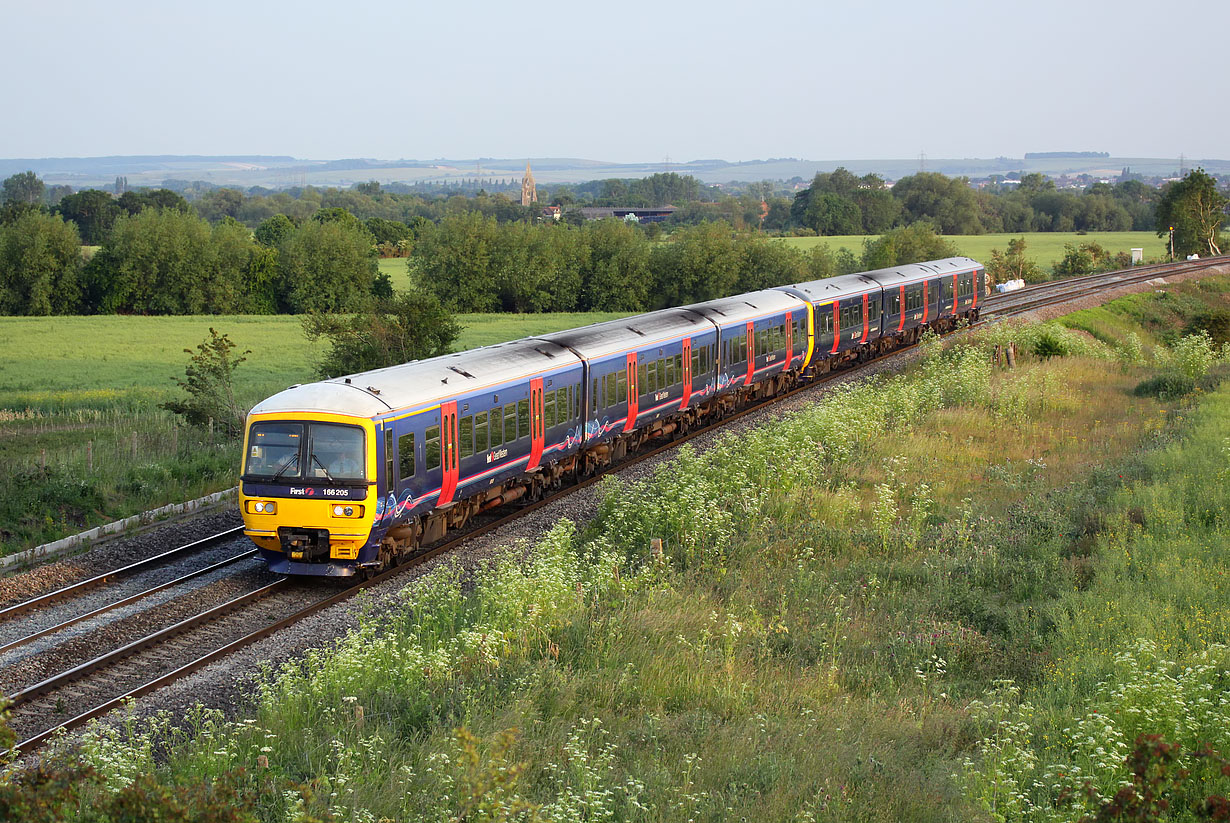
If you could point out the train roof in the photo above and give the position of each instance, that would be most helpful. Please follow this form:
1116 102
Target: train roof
833 288
371 393
614 336
744 307
917 272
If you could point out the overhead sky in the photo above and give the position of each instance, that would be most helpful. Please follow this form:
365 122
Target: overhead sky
619 81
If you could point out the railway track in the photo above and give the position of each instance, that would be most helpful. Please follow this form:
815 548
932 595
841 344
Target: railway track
71 697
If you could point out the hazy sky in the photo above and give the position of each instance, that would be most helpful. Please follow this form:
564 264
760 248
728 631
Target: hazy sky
617 81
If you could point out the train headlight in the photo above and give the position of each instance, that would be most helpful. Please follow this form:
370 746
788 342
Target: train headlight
347 511
262 507
338 511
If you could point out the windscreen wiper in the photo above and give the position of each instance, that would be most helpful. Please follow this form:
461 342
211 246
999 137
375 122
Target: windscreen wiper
292 460
323 468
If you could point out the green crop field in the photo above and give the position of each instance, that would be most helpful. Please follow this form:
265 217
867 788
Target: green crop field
54 363
396 269
1043 247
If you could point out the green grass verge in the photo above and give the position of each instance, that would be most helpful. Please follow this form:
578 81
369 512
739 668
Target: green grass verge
1044 248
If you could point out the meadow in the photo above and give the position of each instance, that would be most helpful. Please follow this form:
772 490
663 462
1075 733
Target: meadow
956 594
1044 248
82 439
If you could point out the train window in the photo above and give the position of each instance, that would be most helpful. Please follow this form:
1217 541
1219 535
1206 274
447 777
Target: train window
405 455
562 405
641 385
467 436
611 396
510 422
671 378
593 397
661 368
523 418
496 427
480 432
621 386
573 402
431 444
390 477
548 410
696 362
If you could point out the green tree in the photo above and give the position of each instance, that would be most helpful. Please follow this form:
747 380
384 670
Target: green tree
328 267
157 262
830 214
210 385
1197 210
40 265
948 202
274 231
765 263
910 244
699 264
135 202
409 326
1013 265
24 188
93 211
455 259
1086 258
616 276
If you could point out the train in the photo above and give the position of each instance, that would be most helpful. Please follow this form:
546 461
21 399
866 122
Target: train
354 474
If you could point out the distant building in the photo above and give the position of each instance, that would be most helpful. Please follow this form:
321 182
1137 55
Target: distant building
554 212
621 213
529 191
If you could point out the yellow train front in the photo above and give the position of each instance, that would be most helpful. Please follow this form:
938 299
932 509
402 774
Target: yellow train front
308 492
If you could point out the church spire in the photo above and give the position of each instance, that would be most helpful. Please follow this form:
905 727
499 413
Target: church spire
529 191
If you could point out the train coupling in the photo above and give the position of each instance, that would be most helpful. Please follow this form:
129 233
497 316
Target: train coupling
305 545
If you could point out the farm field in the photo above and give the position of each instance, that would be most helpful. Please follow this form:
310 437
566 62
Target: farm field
82 440
1043 247
396 269
960 594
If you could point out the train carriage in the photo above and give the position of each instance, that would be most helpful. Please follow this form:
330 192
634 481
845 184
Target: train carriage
642 375
415 451
847 312
764 342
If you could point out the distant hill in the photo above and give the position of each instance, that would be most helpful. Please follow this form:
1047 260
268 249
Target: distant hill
280 171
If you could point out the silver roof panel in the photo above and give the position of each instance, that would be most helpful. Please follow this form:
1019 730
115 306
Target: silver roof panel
421 382
637 332
833 288
917 272
744 307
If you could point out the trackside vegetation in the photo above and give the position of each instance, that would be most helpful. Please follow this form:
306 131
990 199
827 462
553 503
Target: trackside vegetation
967 592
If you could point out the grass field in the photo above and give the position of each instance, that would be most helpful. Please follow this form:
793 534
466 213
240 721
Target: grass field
396 269
82 440
1043 247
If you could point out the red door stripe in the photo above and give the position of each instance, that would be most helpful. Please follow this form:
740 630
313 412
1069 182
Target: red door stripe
634 392
866 319
926 299
836 325
975 276
448 451
687 373
901 301
751 353
955 292
789 341
537 429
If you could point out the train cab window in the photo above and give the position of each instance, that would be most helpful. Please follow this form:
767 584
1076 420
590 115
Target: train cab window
510 422
480 432
405 456
621 386
467 436
523 418
548 410
431 446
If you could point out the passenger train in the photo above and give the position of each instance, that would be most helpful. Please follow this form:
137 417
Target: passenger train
354 474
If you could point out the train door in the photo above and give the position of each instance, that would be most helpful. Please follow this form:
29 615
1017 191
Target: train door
537 432
836 325
901 307
926 300
866 317
751 353
687 373
634 393
448 451
789 341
